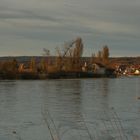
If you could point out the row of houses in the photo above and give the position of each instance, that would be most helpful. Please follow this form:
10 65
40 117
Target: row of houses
128 70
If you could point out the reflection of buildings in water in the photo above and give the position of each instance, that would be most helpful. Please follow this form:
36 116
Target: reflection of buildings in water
95 93
95 104
110 120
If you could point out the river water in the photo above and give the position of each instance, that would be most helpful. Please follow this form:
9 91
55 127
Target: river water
80 109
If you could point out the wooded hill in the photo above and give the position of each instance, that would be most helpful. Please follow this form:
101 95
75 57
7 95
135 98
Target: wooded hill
119 60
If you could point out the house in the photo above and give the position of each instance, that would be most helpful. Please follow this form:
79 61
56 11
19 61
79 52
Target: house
137 72
99 68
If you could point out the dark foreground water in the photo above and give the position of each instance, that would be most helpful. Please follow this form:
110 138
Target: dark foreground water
85 109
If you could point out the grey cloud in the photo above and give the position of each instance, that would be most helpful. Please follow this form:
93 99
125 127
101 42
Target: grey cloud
55 21
23 14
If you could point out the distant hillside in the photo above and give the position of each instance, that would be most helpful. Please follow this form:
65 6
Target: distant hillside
20 58
126 60
122 60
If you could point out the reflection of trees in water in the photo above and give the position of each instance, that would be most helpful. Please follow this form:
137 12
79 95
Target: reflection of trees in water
8 93
105 95
101 120
109 120
8 104
83 108
105 86
62 103
94 104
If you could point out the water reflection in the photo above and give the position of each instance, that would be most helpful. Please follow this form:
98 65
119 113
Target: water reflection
64 107
96 108
79 109
105 87
84 109
8 100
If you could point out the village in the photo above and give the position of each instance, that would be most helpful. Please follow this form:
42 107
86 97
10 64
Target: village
128 70
69 63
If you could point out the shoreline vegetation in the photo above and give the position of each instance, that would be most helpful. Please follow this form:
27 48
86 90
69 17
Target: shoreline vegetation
68 63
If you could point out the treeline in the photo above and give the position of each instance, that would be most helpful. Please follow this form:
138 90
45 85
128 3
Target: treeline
12 69
68 60
8 69
102 56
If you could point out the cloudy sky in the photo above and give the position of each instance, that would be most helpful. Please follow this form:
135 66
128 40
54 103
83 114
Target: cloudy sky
28 26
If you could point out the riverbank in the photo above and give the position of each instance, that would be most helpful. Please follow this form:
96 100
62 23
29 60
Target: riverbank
56 75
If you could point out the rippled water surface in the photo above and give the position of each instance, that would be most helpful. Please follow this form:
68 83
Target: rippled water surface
81 109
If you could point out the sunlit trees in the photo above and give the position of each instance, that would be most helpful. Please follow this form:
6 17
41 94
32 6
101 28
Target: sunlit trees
33 65
99 56
105 54
42 66
46 60
9 69
69 59
102 56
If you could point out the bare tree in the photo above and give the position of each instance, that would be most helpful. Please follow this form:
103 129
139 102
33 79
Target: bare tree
46 52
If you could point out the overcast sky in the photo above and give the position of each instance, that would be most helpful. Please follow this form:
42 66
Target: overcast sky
28 26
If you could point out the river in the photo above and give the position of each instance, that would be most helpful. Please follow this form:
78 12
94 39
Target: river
72 109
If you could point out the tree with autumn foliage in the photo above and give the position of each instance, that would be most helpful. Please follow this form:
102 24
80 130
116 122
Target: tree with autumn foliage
105 54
